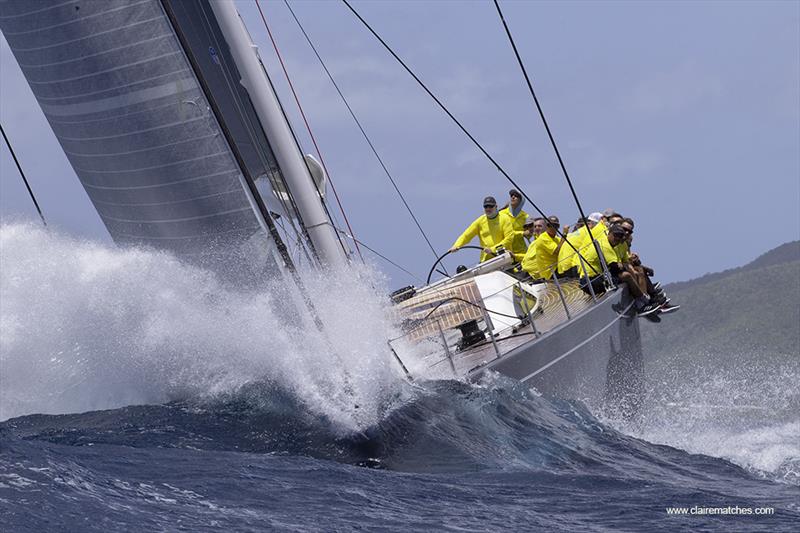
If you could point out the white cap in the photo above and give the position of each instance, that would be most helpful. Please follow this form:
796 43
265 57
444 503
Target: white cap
595 217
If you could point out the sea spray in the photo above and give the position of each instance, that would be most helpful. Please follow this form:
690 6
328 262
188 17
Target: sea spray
743 408
85 326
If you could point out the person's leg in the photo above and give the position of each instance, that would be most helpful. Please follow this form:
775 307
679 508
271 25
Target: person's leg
641 280
651 289
598 285
631 282
638 275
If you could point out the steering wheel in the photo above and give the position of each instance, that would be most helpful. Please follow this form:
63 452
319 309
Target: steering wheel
448 252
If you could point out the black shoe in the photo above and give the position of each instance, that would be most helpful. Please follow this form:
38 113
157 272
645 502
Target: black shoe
653 317
648 309
666 309
660 301
657 286
657 293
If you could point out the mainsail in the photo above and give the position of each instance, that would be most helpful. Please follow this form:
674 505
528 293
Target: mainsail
146 101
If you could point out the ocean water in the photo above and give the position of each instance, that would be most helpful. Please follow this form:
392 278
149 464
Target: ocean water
140 394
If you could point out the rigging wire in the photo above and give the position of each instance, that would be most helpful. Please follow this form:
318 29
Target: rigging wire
541 114
461 126
308 126
381 255
21 173
361 128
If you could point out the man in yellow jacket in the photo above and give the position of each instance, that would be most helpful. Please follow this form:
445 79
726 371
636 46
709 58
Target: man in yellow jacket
514 219
596 229
566 255
489 228
593 268
542 255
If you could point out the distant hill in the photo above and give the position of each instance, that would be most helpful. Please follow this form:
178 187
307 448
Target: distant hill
741 314
785 253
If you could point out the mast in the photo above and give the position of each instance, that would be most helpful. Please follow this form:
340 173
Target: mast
291 161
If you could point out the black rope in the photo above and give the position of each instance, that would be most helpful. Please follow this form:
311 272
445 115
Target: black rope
21 173
461 126
360 127
541 114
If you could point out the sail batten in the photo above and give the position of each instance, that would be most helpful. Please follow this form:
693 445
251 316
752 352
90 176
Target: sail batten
125 103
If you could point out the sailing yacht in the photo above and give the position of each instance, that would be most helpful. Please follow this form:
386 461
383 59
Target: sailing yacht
171 123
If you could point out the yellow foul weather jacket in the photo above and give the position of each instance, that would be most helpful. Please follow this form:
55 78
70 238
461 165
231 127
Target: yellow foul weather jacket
514 240
490 231
566 254
623 250
584 242
591 257
541 257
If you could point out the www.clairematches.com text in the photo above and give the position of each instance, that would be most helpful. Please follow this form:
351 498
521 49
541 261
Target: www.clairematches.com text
729 510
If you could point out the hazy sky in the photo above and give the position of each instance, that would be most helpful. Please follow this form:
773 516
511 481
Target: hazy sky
682 115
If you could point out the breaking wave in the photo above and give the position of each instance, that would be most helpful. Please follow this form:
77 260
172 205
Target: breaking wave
86 327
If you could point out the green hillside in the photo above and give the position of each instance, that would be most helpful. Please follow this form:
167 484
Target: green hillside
785 253
742 314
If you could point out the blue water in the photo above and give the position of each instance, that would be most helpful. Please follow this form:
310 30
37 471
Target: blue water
458 458
187 407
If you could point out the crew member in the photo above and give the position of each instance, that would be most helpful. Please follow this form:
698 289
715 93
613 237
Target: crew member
566 267
488 227
592 271
654 290
528 235
624 247
514 219
615 218
539 225
542 255
596 228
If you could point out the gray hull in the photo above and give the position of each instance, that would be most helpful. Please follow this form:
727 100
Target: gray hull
596 357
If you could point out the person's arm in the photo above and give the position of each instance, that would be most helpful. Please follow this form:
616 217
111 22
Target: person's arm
470 233
508 232
564 232
610 255
528 261
636 261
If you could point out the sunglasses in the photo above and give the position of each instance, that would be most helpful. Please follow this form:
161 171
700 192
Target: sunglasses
488 206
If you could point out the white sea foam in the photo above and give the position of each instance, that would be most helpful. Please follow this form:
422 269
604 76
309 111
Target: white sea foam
85 326
742 409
